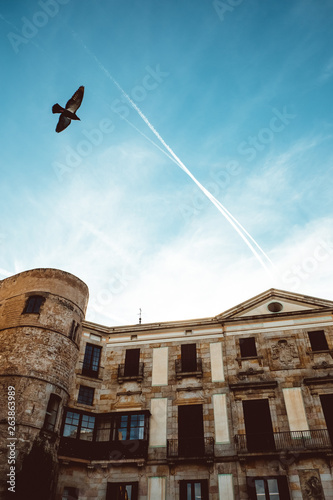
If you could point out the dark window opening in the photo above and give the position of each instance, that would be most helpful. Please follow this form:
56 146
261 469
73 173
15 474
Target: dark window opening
52 413
132 359
275 307
33 304
327 405
91 360
122 491
268 488
318 341
248 347
190 431
258 425
73 331
189 357
193 490
86 395
70 493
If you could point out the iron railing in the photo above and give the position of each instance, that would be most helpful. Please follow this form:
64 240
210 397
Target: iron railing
190 448
123 375
180 372
279 441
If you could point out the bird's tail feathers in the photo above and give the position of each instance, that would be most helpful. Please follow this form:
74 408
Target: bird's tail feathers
57 108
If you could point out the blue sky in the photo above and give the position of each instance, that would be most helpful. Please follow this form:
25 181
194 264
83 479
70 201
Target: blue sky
241 91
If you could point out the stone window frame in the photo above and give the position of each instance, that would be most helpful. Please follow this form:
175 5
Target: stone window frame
116 485
183 490
52 412
33 304
83 397
282 484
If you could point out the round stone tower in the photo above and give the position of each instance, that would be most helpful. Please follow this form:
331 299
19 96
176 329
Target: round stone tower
41 313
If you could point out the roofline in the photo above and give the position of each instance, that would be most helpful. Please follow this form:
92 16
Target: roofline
224 318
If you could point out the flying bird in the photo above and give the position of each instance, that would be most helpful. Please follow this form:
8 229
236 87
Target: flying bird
68 113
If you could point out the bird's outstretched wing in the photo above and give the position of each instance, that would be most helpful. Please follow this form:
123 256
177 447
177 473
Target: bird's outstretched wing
63 123
75 101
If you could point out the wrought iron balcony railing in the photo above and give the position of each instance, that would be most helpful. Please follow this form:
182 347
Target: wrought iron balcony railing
195 372
280 441
124 375
199 448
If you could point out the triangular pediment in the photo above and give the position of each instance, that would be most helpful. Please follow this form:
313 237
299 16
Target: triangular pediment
273 302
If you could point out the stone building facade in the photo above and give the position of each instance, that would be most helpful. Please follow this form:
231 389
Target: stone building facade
232 407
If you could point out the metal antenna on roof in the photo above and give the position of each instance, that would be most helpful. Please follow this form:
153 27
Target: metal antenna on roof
140 317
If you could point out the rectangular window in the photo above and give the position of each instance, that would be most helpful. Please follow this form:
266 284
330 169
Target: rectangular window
318 341
129 427
189 357
52 413
73 331
86 395
91 360
248 347
70 493
193 490
132 358
104 425
79 426
33 304
71 424
122 491
111 427
87 427
268 488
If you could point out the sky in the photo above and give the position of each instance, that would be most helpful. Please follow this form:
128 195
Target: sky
191 108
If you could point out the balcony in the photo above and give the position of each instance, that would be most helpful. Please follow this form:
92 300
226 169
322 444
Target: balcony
196 372
194 449
310 440
124 376
112 451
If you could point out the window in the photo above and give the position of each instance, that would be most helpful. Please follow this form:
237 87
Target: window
193 490
114 426
129 427
189 357
79 426
51 412
86 395
275 307
269 488
318 341
248 347
33 304
113 436
132 358
71 424
91 360
73 331
70 493
87 427
122 491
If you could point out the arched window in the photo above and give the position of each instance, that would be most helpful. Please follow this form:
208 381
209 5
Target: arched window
33 304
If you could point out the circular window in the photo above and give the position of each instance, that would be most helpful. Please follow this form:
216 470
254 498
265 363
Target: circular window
275 307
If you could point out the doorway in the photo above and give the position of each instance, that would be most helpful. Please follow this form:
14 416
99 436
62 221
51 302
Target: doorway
190 431
327 405
258 425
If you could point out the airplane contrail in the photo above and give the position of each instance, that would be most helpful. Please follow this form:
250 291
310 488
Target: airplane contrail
229 217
